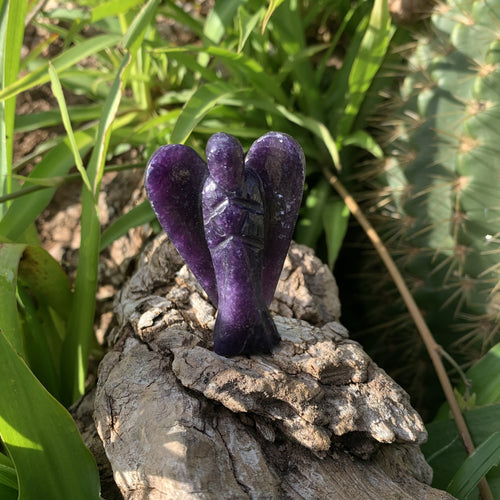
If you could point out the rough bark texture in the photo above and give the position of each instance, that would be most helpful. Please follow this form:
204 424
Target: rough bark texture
315 419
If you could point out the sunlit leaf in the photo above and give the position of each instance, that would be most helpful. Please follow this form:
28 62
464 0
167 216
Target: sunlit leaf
199 104
48 453
335 223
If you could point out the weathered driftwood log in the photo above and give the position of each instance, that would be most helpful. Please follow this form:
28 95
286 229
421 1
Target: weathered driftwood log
315 419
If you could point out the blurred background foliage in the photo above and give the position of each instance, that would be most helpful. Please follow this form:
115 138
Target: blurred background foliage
123 77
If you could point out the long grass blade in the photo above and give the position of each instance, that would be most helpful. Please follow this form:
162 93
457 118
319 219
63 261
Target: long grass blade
369 58
58 93
10 255
12 14
57 162
5 165
199 104
317 128
65 60
141 214
137 29
112 8
80 326
475 467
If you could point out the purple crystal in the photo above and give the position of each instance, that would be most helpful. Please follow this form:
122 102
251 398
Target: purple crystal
232 222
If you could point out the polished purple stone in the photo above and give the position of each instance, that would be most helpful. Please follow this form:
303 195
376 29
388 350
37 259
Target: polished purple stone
232 221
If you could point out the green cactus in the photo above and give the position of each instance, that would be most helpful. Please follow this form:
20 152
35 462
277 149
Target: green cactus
440 207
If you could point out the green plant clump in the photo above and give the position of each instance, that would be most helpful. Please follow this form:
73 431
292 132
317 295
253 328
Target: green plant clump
440 214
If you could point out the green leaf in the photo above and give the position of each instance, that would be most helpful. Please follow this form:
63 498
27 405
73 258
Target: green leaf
273 5
45 278
198 105
12 15
251 71
335 223
56 162
112 8
483 383
34 121
80 325
484 457
139 215
58 94
5 164
310 225
171 10
135 34
48 453
10 255
317 128
363 140
219 18
246 25
484 377
65 60
8 476
39 289
368 60
444 450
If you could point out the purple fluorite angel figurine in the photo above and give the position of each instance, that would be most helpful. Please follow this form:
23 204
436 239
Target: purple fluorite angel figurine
232 222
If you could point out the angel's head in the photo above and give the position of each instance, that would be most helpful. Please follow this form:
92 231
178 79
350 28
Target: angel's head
226 161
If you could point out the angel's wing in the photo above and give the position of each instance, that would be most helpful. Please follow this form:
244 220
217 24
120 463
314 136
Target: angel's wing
174 180
280 163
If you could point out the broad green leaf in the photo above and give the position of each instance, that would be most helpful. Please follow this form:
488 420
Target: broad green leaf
198 105
444 449
369 58
139 215
42 340
8 493
55 163
475 467
10 255
48 453
65 60
317 128
483 383
484 377
80 325
251 71
45 278
335 222
246 25
41 293
310 225
363 140
219 18
289 30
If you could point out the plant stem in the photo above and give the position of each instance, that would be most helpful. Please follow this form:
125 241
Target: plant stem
431 345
